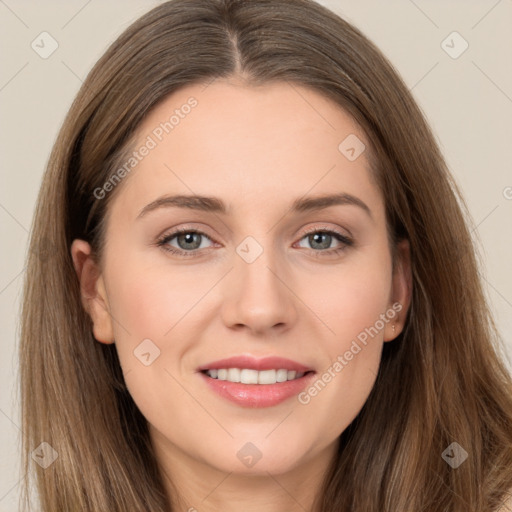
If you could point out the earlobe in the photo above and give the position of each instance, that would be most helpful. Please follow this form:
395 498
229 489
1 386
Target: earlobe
92 291
401 292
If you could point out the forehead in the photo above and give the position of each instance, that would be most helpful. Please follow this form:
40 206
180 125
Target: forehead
249 145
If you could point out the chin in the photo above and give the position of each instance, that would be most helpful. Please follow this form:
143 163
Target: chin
260 456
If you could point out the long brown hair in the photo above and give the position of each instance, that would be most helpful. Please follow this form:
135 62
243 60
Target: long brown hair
443 380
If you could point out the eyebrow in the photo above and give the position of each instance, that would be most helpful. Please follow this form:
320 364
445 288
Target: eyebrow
216 205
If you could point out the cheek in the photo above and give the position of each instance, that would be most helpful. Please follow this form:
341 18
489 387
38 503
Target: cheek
149 300
351 299
160 303
352 304
150 305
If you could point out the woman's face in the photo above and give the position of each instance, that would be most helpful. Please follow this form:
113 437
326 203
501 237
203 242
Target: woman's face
258 272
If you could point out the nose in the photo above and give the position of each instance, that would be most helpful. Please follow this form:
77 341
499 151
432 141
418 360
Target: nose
258 297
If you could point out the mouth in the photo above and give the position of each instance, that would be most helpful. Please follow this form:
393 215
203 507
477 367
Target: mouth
250 376
251 382
249 362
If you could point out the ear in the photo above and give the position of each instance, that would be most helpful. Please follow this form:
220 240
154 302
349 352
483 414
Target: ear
401 292
92 290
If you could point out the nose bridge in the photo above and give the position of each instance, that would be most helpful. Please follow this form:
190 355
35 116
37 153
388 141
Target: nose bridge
256 295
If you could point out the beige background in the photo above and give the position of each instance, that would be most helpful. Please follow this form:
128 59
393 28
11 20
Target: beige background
467 100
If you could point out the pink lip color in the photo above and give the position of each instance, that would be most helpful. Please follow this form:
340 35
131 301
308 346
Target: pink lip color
266 363
258 395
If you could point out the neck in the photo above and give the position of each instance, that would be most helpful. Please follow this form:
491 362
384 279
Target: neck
196 486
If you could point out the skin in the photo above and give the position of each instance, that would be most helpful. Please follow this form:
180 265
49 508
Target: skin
257 149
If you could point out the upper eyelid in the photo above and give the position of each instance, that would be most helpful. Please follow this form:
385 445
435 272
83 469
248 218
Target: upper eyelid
328 228
322 228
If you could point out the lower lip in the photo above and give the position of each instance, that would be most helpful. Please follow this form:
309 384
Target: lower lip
258 395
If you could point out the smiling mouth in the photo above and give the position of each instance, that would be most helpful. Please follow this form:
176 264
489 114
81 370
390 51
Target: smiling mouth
250 376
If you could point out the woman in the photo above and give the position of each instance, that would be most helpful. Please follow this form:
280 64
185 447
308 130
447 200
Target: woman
261 292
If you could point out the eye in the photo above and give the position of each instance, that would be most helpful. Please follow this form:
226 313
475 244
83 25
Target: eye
188 241
321 239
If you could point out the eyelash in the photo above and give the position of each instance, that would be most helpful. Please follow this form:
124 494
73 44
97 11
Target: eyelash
346 242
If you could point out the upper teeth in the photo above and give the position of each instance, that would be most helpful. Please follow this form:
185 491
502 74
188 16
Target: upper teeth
248 376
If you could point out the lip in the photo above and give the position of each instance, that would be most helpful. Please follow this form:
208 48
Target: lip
252 363
258 395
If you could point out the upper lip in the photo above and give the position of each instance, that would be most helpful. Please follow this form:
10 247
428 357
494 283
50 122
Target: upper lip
253 363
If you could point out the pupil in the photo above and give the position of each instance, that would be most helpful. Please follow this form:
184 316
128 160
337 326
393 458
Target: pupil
317 239
188 238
